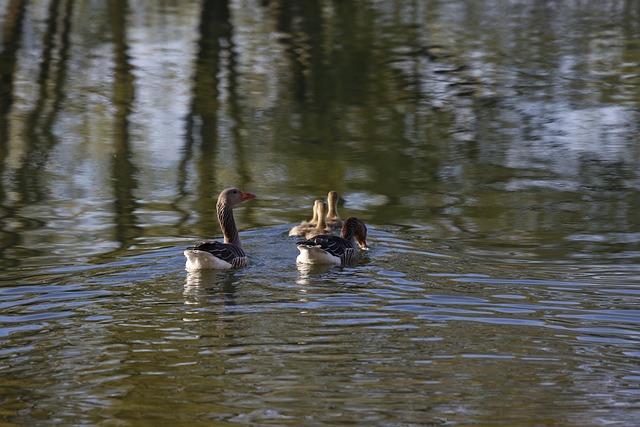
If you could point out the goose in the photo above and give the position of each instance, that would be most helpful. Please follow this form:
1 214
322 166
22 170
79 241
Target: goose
321 227
333 219
305 226
338 250
221 255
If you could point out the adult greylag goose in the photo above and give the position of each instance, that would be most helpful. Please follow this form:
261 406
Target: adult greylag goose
338 250
321 227
229 253
333 219
304 226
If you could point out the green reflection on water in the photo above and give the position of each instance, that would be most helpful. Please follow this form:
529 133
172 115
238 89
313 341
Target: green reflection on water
491 132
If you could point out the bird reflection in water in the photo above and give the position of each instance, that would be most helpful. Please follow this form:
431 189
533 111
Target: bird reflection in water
199 286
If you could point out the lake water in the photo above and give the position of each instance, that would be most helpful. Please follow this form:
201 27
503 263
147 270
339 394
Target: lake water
490 146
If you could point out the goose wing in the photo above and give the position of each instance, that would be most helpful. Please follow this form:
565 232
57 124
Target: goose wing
335 245
225 251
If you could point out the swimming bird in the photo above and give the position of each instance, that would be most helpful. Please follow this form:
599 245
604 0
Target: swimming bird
321 227
333 219
229 253
339 250
305 226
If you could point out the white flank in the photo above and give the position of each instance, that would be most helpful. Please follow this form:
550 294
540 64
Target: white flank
315 255
202 260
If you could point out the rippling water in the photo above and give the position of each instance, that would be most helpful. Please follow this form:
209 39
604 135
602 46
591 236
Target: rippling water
490 146
416 333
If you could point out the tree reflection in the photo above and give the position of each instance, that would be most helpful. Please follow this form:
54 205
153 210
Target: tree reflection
402 102
11 44
50 83
212 98
124 170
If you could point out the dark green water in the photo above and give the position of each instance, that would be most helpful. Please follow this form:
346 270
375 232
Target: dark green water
490 146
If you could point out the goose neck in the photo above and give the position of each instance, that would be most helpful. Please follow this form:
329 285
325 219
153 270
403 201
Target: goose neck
228 224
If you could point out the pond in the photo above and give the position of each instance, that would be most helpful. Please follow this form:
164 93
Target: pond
490 146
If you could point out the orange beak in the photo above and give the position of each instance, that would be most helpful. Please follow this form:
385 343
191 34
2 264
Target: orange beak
247 196
363 245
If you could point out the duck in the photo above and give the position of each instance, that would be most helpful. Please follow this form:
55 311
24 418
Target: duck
337 250
305 226
228 253
333 219
321 227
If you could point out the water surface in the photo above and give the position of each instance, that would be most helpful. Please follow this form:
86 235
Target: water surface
490 146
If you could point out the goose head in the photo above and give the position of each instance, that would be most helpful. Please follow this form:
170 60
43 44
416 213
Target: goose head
232 197
353 228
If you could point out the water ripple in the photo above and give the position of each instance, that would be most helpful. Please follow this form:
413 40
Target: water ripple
359 330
